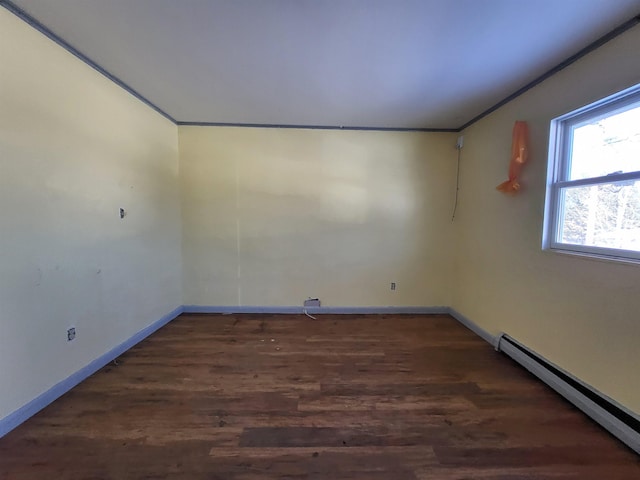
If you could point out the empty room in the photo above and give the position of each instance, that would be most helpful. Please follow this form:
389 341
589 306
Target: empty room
318 239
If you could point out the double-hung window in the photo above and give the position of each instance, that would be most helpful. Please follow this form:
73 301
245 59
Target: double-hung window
593 186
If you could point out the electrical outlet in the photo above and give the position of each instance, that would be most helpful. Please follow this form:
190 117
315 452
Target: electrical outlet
393 285
312 302
71 333
460 142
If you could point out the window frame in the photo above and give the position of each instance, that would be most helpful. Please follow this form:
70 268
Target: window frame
559 164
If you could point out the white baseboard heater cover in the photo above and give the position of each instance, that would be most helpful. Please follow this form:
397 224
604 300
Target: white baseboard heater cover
619 421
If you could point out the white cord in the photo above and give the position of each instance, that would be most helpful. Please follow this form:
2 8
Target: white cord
455 205
310 316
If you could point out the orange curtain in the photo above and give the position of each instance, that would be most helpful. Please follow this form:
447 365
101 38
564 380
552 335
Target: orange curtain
519 154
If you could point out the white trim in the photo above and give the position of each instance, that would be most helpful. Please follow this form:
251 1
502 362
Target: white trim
25 412
602 180
592 256
612 424
299 310
613 103
28 410
481 332
604 418
613 254
608 421
558 171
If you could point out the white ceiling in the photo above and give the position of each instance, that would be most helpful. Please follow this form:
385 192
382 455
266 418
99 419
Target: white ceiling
371 63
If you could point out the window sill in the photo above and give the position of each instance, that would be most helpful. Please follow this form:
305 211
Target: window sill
594 256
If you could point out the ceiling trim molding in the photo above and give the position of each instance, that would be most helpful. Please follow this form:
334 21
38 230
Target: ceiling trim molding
619 30
315 127
20 13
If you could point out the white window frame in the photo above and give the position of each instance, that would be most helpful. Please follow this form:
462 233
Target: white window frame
560 143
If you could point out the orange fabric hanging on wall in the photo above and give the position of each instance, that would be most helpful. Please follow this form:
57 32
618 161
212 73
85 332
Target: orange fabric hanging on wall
519 155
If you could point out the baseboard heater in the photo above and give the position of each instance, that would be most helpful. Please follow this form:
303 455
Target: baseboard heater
619 421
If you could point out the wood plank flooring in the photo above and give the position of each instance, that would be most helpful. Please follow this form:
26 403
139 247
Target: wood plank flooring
247 397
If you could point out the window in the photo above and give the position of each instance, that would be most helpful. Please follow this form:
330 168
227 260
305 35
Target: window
593 188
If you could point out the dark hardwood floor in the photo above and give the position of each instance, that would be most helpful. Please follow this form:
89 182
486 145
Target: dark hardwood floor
246 397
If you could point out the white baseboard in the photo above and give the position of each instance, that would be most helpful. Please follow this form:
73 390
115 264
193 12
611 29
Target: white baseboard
599 409
618 420
599 412
315 310
482 333
25 412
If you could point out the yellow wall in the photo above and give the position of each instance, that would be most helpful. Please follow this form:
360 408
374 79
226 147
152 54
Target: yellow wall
582 314
270 217
273 216
74 148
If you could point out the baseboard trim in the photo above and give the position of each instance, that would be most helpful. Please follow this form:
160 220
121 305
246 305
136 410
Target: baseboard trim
592 403
615 418
25 412
298 310
503 343
481 332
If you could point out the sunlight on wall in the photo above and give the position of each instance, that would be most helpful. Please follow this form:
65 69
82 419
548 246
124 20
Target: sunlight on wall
74 148
271 217
581 314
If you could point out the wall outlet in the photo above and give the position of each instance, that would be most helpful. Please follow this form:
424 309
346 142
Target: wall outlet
460 142
71 333
312 302
393 285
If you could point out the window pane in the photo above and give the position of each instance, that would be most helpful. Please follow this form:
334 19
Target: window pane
607 145
605 215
